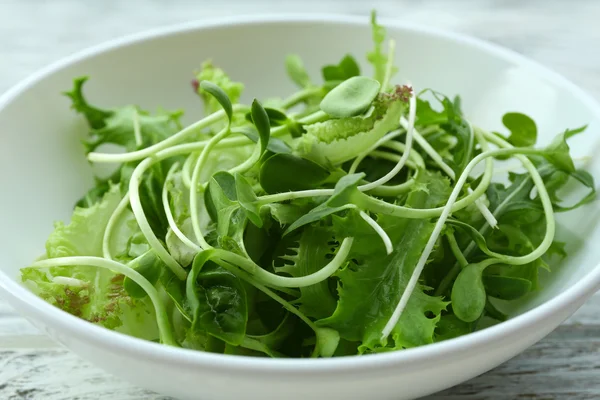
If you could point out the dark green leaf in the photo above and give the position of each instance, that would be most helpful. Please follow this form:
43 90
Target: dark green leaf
578 184
150 267
274 339
468 293
473 233
316 214
217 299
450 327
371 285
276 116
506 287
456 140
287 172
175 288
262 124
275 145
315 248
523 131
493 312
345 190
351 97
347 68
220 95
285 214
558 152
95 117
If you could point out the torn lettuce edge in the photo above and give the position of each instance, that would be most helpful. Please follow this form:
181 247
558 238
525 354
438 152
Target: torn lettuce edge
338 140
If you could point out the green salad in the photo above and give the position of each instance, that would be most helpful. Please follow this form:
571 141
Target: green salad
355 216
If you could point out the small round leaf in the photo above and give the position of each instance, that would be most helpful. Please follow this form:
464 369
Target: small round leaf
468 294
351 97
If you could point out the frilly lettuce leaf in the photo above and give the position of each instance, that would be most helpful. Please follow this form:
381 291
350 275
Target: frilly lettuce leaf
314 248
116 126
377 57
371 285
338 140
94 294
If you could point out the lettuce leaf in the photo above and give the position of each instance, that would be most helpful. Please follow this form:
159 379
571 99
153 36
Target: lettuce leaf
371 285
93 294
338 140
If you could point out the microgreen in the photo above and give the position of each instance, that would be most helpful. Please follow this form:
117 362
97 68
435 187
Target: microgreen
296 71
346 69
345 218
351 97
284 172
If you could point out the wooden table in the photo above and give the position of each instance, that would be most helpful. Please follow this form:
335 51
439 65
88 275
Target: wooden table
559 33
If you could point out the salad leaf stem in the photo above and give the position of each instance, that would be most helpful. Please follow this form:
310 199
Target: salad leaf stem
389 65
408 145
168 212
195 214
110 226
388 137
389 156
460 257
162 318
137 132
421 141
300 194
387 242
186 170
301 96
274 280
170 141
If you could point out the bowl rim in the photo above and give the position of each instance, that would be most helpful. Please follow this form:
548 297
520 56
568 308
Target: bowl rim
23 299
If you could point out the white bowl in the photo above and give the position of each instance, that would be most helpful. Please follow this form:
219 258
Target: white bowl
44 171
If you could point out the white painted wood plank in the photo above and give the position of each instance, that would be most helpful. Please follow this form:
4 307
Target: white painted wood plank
564 366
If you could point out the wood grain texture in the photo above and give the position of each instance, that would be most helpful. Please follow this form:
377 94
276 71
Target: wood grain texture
561 34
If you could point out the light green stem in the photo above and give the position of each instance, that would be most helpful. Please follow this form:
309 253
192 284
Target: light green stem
274 280
408 146
170 141
460 258
300 96
389 65
172 224
194 190
138 211
112 223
